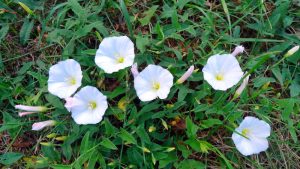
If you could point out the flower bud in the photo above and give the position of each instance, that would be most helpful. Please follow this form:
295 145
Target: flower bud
134 70
146 150
48 144
242 87
52 135
21 114
40 125
151 129
186 75
170 149
31 108
238 50
292 51
61 138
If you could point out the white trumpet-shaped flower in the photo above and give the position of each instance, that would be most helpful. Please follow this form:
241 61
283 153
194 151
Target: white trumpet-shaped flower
115 53
222 71
251 136
64 78
87 106
154 81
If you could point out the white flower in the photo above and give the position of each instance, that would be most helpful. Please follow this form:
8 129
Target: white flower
87 106
186 75
253 136
40 125
154 81
222 71
64 78
115 53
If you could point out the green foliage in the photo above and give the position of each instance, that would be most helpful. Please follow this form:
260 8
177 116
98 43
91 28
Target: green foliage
10 158
192 128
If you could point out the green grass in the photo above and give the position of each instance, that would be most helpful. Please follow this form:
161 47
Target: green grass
175 35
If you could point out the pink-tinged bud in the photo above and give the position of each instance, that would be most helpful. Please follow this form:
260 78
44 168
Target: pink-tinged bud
292 51
186 75
21 114
40 125
242 87
31 108
238 50
134 70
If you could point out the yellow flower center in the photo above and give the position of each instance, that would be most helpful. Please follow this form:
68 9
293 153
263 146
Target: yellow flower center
245 132
72 81
92 105
120 59
219 77
156 86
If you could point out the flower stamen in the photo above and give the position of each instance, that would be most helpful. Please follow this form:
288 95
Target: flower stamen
156 86
219 77
245 132
72 81
120 59
92 105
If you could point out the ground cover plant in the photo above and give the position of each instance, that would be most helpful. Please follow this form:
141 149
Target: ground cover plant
195 122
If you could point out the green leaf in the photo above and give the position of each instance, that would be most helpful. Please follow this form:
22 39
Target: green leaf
3 31
148 15
10 158
26 66
141 132
191 128
11 124
26 8
54 101
210 123
141 43
108 144
287 105
127 137
84 146
78 10
258 82
198 145
61 166
126 16
109 128
278 75
294 88
190 164
26 30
